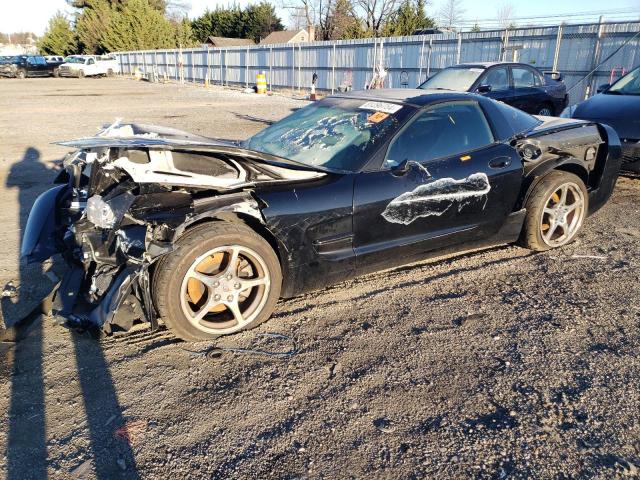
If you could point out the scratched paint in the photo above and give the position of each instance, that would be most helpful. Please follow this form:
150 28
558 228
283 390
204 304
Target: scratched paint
437 197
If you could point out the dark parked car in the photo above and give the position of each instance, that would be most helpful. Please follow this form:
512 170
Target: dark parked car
517 84
22 66
617 105
208 234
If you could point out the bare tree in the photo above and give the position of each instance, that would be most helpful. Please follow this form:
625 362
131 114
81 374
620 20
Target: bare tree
310 13
451 13
375 13
505 15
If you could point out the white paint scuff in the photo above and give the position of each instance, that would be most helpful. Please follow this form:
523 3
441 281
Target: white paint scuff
436 197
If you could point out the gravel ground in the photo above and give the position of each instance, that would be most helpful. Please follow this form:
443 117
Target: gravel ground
494 364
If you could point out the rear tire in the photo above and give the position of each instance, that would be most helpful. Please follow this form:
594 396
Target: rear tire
222 278
556 210
80 73
56 72
110 73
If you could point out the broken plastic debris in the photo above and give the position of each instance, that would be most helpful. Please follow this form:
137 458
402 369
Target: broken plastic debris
436 197
9 290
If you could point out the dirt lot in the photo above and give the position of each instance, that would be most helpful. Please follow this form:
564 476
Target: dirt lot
499 364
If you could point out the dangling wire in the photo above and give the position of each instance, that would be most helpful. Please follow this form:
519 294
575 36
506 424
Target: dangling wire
215 352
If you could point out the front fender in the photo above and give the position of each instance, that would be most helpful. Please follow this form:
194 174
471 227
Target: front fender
38 242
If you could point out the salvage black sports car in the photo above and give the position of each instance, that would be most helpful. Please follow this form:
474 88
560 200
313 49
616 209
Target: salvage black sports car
207 235
516 84
617 105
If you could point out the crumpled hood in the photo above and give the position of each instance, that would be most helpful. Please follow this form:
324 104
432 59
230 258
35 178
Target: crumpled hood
618 111
556 122
160 155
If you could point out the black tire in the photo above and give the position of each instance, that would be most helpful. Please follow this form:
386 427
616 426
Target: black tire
21 74
541 197
110 72
546 109
80 73
172 276
56 72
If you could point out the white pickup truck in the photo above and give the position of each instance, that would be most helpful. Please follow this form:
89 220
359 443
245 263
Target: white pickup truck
89 65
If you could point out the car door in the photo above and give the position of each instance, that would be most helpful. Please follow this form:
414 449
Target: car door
527 93
444 181
497 78
31 67
42 68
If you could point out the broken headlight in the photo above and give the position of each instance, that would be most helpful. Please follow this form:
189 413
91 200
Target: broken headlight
107 213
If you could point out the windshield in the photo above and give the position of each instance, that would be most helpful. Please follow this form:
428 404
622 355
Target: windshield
335 133
74 60
627 85
455 78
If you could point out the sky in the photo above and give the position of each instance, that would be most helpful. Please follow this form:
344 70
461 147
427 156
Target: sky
33 15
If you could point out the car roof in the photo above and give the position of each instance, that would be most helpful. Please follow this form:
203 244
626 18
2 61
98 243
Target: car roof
488 64
409 96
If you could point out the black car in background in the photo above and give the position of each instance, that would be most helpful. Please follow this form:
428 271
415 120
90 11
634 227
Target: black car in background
22 66
517 84
618 106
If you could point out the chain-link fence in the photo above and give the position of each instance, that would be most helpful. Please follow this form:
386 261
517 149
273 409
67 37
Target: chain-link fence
587 56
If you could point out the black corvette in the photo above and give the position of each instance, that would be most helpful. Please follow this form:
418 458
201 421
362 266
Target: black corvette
617 105
516 84
206 235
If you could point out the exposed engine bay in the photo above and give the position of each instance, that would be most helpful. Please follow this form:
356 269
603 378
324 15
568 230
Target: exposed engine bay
124 197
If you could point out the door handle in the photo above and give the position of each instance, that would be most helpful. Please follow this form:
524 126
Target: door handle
500 162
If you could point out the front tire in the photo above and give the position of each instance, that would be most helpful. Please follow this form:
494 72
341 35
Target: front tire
546 110
222 278
21 74
80 73
556 210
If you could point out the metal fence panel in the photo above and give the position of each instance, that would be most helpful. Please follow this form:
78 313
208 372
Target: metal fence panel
587 56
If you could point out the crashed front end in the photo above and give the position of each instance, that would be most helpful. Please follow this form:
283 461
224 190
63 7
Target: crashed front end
122 200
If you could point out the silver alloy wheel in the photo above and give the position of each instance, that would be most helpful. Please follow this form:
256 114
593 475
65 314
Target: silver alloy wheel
562 215
545 112
225 289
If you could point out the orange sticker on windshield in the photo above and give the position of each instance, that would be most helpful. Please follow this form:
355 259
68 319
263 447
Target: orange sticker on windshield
377 117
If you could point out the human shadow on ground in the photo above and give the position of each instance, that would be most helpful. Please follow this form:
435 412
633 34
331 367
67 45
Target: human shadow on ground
26 449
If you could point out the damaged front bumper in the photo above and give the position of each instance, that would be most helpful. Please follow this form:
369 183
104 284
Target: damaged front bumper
107 284
123 200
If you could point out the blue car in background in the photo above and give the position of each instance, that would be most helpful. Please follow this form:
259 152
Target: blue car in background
516 84
617 105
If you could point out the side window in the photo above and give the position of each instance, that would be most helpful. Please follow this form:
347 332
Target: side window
443 130
523 77
91 62
497 77
31 60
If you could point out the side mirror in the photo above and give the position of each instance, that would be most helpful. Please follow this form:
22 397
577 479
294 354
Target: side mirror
603 87
402 168
407 166
484 89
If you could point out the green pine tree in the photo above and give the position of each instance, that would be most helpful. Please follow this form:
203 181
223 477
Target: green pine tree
137 25
409 17
260 20
183 34
59 38
91 24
